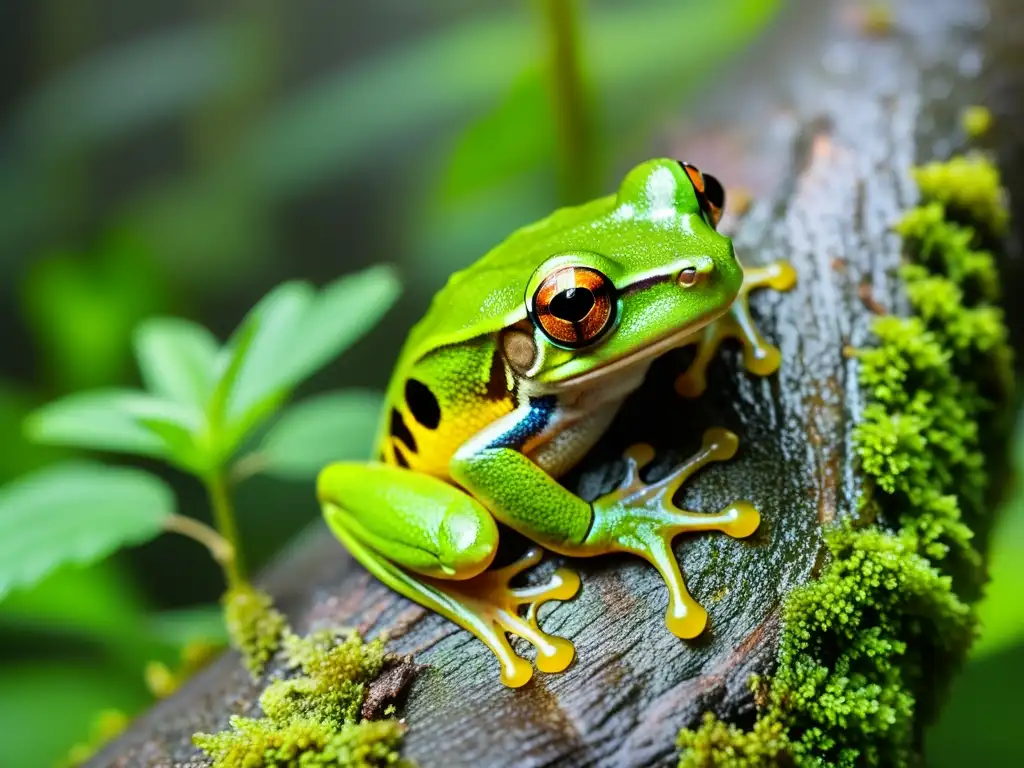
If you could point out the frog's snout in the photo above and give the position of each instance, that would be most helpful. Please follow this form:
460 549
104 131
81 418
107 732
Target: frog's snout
728 272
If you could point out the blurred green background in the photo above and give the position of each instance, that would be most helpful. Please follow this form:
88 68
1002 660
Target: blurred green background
183 157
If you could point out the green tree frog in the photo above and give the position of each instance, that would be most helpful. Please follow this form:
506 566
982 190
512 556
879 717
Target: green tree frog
514 373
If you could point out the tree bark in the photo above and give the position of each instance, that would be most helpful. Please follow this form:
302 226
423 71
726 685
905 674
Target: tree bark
821 123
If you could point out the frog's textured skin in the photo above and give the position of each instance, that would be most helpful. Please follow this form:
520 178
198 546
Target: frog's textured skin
515 372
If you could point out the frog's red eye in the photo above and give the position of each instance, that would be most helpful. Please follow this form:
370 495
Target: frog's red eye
710 193
573 306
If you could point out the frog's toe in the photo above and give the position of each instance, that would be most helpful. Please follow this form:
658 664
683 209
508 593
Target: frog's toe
740 520
720 444
686 621
779 276
760 357
691 384
515 671
555 655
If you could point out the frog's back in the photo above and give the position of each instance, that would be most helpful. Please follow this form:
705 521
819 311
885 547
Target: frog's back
488 295
474 304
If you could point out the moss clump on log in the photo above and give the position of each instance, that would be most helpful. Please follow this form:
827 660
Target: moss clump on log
313 718
255 627
868 649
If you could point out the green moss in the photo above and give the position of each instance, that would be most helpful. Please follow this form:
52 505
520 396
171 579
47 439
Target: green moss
253 744
721 744
976 121
162 681
313 718
333 687
868 649
968 186
254 626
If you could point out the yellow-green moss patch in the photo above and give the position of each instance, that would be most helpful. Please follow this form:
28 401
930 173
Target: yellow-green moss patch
976 121
254 626
253 744
867 650
311 718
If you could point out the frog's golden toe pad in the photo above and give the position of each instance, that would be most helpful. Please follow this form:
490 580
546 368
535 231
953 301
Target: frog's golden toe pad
491 605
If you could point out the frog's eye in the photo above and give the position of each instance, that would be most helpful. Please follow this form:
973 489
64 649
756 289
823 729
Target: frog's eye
573 306
714 193
710 192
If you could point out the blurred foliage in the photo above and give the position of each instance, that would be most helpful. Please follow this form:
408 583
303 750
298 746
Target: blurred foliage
164 157
979 723
202 403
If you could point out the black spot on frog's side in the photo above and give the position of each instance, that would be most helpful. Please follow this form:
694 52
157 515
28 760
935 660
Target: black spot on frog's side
422 405
400 459
401 432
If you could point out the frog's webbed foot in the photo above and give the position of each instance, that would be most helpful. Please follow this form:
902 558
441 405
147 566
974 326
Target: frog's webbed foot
488 606
643 519
759 357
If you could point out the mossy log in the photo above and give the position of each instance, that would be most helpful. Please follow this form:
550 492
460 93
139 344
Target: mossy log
821 125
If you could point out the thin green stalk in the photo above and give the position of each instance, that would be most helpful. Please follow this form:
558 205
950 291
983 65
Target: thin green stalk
198 531
569 100
224 521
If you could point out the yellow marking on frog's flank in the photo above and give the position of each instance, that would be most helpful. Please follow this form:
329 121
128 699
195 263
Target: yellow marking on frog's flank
435 447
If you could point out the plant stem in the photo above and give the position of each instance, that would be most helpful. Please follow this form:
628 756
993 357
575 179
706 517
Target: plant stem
247 466
219 547
224 519
569 100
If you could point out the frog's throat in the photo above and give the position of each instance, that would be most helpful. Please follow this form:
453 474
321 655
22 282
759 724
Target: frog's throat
667 342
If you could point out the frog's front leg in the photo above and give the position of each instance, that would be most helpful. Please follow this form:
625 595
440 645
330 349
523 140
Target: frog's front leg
636 518
432 543
759 357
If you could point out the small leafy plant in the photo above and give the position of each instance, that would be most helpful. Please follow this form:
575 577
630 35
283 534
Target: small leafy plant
205 410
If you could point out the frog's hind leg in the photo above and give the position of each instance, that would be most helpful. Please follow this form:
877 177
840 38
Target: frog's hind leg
431 542
644 520
759 357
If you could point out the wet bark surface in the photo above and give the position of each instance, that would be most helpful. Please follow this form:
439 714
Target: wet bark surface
820 124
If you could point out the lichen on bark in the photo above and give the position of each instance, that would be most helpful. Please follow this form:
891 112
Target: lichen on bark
867 650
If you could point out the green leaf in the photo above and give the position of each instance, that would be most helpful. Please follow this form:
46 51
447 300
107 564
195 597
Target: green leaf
177 359
19 455
273 327
330 427
295 332
96 600
75 513
341 314
114 420
506 142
